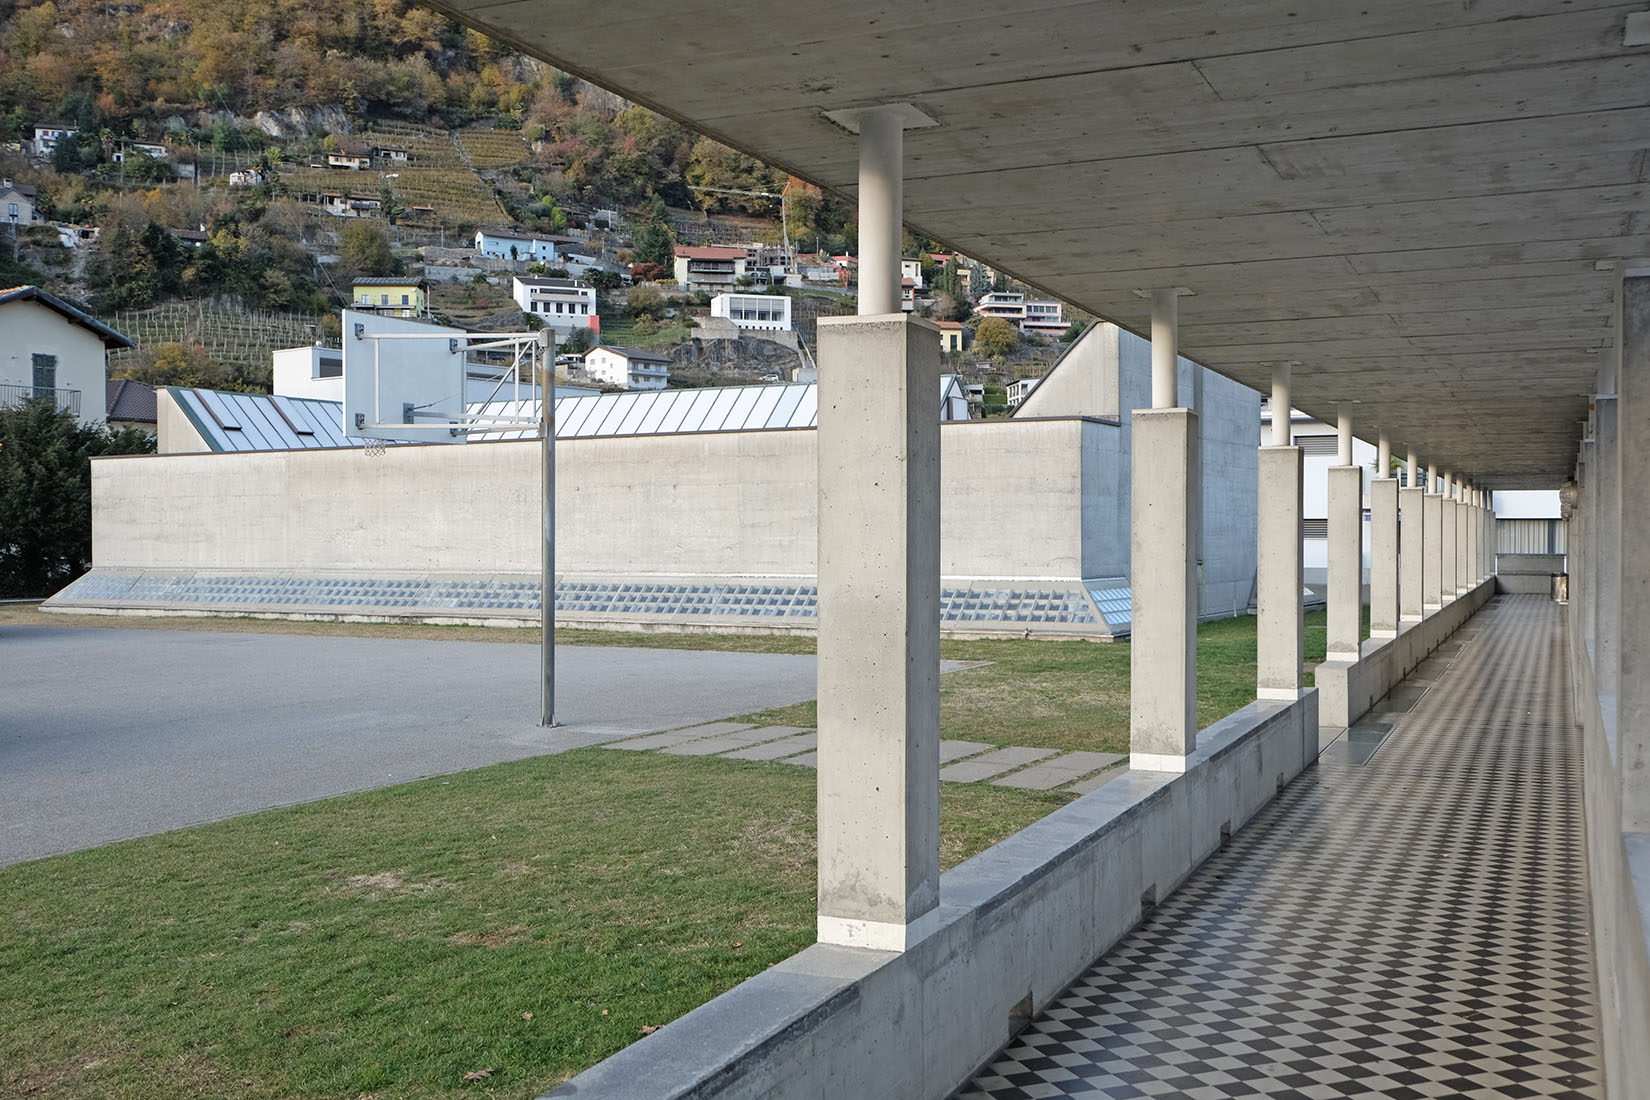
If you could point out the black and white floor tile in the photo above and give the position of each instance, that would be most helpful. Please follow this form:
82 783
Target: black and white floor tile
1411 925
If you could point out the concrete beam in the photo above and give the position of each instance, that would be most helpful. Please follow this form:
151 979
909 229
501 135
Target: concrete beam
1345 618
1163 578
1280 629
1383 558
1633 661
879 631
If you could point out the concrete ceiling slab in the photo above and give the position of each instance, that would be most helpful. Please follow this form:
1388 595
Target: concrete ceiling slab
1418 204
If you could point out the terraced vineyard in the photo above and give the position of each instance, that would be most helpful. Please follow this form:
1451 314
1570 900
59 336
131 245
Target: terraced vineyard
238 338
493 148
428 147
459 196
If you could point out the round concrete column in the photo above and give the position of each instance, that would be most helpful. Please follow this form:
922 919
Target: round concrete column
1280 406
1165 349
881 209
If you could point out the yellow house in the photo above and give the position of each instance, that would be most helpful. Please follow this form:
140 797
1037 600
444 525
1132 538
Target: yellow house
392 295
951 336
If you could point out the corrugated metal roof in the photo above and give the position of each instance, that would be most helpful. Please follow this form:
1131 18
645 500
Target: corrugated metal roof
260 422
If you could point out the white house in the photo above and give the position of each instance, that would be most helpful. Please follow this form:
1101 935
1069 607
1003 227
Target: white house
246 177
348 161
771 312
631 368
562 304
51 350
17 203
309 371
911 269
524 247
1018 390
147 148
1047 318
711 267
46 138
1002 303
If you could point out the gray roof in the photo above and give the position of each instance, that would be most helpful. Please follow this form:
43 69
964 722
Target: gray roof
129 400
110 338
633 353
389 280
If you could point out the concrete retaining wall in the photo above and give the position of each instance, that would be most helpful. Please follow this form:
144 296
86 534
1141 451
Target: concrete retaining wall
1528 574
1020 921
1348 689
1017 504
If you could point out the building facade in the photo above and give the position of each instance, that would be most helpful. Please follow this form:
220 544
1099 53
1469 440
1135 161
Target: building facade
713 267
561 304
49 350
762 312
630 368
391 295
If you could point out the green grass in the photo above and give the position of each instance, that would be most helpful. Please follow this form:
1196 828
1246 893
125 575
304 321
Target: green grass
528 919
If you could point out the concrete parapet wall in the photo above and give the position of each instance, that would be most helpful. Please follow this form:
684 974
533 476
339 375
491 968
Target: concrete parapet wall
1016 504
1348 689
1019 922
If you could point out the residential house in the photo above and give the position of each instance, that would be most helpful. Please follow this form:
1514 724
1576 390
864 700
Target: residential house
631 368
1019 390
1005 304
711 267
311 371
147 148
770 312
907 295
128 403
17 203
911 269
349 161
349 206
526 248
391 295
391 155
46 138
1043 317
49 349
561 304
246 177
190 238
951 336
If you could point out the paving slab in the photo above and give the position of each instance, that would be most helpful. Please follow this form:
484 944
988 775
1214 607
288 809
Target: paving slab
740 739
775 750
993 763
1095 782
806 760
1062 769
677 737
956 750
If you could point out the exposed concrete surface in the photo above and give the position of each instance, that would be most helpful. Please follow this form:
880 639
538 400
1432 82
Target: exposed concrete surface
107 734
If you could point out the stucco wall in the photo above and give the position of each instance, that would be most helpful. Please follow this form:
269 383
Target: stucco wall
28 329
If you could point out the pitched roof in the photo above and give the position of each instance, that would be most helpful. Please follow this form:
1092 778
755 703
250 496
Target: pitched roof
130 400
634 353
21 188
110 338
389 280
710 252
559 284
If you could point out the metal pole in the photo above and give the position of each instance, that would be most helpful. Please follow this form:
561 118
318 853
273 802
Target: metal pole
547 432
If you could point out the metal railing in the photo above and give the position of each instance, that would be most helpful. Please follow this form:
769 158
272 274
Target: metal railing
64 400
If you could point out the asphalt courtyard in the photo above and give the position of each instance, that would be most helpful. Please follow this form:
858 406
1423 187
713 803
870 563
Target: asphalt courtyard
109 734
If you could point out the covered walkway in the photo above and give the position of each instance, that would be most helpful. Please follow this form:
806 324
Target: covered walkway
1408 919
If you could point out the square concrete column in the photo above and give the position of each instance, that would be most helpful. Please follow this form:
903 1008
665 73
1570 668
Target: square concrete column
1607 514
1448 531
1280 630
1432 556
1632 581
1163 579
1383 558
1346 553
1412 509
879 630
1462 547
1584 596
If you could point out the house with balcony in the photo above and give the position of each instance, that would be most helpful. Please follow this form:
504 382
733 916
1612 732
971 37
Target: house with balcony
631 368
711 267
46 138
1044 317
349 162
1001 303
561 304
391 295
150 149
53 351
17 203
761 312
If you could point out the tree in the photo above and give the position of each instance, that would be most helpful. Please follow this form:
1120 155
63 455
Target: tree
603 279
46 494
996 337
365 248
646 300
654 245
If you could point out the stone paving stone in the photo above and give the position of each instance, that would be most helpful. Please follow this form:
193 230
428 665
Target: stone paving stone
806 760
739 739
1062 769
1095 782
993 763
956 750
677 737
774 750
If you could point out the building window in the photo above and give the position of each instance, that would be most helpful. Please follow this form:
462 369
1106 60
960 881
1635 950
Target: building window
11 208
383 299
330 368
45 375
403 299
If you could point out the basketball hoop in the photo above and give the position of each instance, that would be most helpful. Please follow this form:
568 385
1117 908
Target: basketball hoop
374 448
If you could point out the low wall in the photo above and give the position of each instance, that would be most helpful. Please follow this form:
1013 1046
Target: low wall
1348 689
1618 872
1019 922
1527 574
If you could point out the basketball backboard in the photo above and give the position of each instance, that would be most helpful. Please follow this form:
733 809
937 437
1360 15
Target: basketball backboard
403 381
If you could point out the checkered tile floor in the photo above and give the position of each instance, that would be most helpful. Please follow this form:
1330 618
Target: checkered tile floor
1416 926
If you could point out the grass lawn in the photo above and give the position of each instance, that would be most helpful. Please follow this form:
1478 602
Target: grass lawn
526 919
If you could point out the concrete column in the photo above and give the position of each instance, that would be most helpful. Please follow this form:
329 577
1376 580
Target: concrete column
1462 547
881 209
1411 574
1383 557
879 631
1163 576
1281 429
1583 598
1607 511
1632 583
1446 541
1432 554
1165 349
1280 630
1475 532
1345 619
